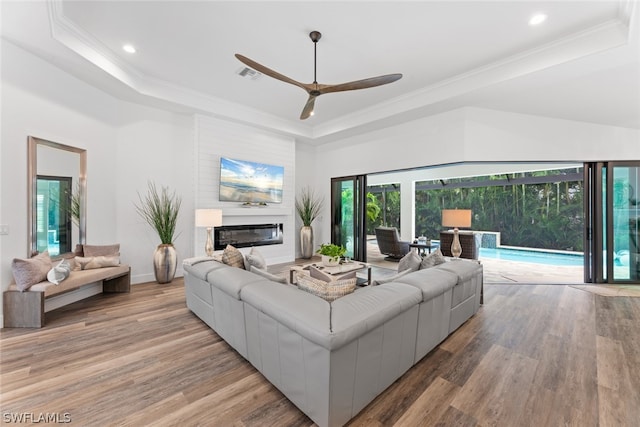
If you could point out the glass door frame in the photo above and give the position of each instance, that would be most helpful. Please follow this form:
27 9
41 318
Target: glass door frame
599 221
359 214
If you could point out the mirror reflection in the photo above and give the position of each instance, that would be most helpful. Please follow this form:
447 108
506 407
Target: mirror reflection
57 195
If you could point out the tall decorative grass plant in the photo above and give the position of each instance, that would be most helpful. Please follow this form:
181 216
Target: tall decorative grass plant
308 207
160 208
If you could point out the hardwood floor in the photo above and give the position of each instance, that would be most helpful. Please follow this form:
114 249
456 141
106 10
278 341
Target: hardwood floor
540 355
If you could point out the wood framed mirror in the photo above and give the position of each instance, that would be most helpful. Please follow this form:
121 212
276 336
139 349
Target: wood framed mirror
57 196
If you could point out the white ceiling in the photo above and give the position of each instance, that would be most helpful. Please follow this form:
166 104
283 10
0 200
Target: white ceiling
582 64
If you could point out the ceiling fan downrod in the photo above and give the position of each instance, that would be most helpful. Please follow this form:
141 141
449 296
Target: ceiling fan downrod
315 36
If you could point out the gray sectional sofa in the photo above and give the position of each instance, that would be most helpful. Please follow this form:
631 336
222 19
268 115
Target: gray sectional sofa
332 359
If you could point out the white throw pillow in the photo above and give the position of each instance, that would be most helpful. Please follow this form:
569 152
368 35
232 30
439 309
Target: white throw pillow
255 259
411 261
433 259
60 272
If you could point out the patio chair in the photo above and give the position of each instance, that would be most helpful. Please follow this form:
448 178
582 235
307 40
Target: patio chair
390 244
470 242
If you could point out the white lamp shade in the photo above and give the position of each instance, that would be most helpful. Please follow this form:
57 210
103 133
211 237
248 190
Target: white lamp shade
208 217
456 218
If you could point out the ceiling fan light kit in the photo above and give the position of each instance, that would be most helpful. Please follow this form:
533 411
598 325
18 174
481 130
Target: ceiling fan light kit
316 89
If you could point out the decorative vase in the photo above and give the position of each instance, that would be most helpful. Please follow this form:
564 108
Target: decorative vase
165 261
306 241
330 261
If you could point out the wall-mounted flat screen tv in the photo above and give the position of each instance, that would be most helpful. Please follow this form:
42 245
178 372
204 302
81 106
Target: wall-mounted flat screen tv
244 181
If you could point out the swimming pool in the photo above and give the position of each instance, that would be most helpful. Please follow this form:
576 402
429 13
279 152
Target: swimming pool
536 257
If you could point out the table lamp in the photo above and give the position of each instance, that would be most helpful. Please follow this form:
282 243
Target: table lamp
456 218
209 218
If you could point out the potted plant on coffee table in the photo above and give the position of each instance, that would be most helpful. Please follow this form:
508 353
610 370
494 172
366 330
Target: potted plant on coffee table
331 254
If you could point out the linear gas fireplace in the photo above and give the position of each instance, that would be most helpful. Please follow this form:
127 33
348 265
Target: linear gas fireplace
244 236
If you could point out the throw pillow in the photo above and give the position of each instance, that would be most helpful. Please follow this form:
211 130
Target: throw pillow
233 257
28 272
255 259
411 261
78 250
267 275
60 272
90 263
433 259
390 278
100 250
329 291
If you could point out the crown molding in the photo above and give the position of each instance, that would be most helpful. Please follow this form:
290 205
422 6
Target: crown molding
66 32
608 35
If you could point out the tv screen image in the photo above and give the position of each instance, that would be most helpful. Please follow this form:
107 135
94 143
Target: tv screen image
244 181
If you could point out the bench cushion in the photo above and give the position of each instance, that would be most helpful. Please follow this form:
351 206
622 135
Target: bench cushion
75 280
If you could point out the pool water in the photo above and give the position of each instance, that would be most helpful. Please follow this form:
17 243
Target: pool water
537 257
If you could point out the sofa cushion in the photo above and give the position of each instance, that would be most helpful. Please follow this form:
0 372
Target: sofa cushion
28 272
389 279
432 282
200 268
411 261
463 268
232 280
354 315
299 311
199 259
267 275
329 291
233 257
433 259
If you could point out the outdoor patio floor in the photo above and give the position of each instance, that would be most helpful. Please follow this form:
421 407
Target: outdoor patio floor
501 271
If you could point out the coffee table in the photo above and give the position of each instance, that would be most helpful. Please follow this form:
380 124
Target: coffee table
336 272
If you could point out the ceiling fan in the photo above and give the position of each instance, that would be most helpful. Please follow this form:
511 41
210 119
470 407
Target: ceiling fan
316 89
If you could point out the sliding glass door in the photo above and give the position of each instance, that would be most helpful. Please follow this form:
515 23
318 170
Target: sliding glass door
347 215
624 211
612 213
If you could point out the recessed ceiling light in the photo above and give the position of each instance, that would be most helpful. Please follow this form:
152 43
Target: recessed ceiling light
129 48
537 19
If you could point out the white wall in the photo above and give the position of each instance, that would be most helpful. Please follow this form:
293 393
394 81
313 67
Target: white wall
306 178
126 146
215 138
151 146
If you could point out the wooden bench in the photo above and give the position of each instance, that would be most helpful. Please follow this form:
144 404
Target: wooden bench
26 309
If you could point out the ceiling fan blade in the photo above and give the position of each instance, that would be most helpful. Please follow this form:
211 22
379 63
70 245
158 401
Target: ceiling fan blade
308 107
361 84
268 71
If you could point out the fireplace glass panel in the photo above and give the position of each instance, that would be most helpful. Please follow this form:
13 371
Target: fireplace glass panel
244 236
